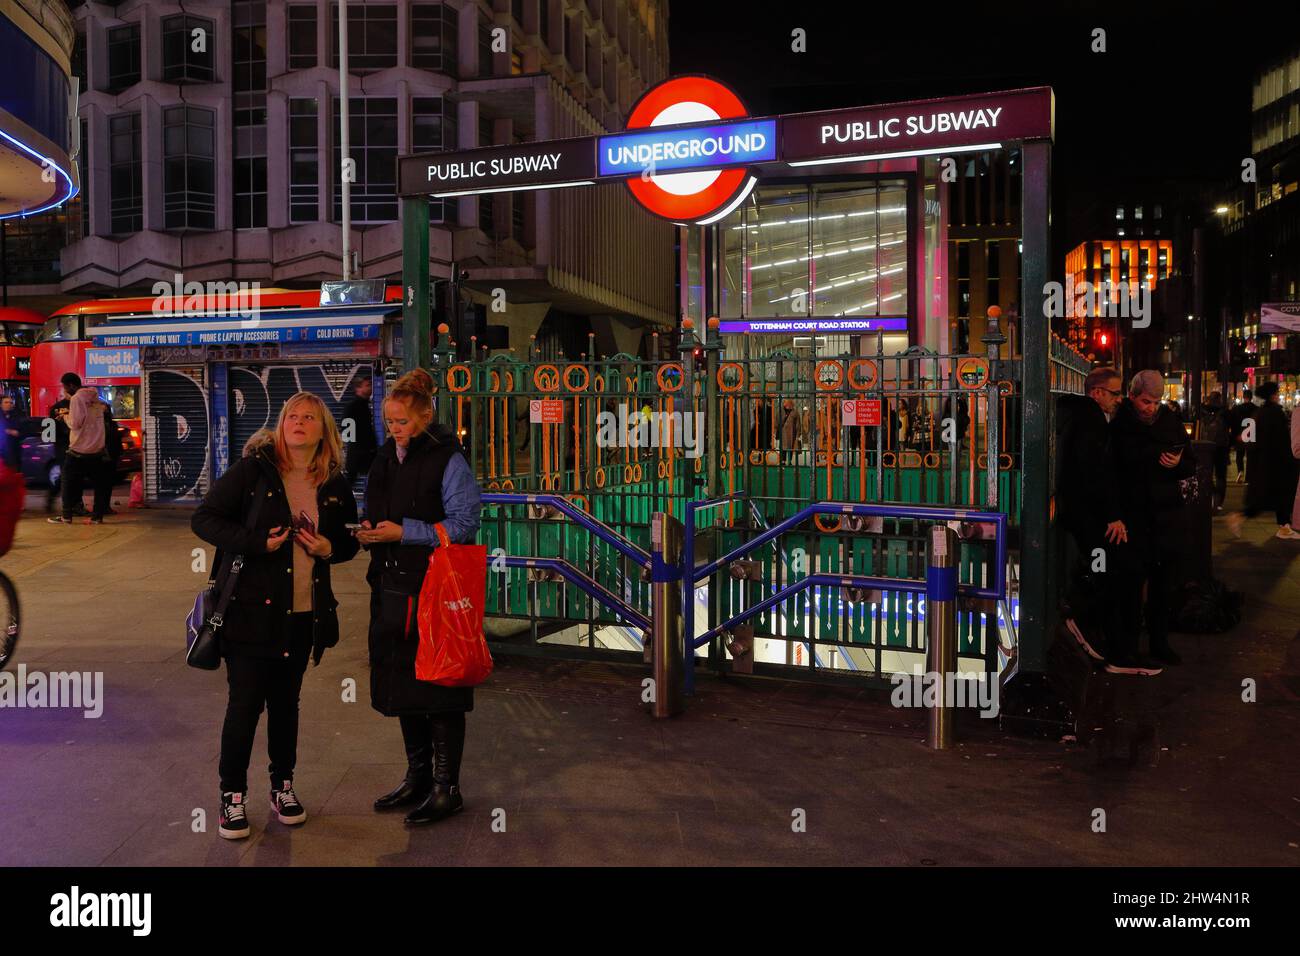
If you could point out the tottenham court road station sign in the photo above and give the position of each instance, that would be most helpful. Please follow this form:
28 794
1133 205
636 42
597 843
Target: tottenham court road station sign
691 152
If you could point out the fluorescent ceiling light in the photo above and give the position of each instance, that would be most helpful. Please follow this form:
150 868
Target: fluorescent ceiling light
514 189
899 155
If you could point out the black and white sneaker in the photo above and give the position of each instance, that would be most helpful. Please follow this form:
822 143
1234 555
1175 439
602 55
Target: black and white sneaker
286 805
1073 627
1132 666
234 816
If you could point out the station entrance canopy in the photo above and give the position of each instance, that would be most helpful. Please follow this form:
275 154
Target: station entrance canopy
691 153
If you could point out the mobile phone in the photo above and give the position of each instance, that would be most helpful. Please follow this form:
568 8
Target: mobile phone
303 523
354 528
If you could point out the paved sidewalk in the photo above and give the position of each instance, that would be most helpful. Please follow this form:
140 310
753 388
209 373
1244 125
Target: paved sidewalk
566 755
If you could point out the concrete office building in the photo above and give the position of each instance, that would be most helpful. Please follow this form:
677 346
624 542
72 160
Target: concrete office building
212 150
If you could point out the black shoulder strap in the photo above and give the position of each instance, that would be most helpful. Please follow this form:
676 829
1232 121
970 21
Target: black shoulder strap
237 563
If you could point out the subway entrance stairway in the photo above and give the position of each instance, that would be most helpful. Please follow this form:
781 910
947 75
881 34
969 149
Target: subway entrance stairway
566 755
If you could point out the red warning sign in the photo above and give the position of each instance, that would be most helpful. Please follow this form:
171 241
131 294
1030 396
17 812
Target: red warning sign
545 411
861 411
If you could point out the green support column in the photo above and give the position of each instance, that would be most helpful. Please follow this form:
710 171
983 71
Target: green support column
1037 573
416 319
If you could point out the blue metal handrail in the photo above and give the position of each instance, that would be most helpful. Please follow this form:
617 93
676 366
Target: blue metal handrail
593 588
596 527
996 592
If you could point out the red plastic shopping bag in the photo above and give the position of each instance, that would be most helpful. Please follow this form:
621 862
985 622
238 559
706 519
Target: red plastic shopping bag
453 651
13 494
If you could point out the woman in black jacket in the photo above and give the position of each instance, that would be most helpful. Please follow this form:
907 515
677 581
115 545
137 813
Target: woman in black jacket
283 608
419 479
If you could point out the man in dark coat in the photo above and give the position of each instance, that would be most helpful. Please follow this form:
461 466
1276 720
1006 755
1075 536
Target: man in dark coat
1088 504
1154 456
1270 466
360 451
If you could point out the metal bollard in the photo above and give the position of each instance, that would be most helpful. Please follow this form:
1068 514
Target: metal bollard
666 613
941 630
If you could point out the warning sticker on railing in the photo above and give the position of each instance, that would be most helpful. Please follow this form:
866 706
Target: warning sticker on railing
545 411
861 411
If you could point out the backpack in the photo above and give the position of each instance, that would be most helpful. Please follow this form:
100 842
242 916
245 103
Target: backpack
1205 607
1214 427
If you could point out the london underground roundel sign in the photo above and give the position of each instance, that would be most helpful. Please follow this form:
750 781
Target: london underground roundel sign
704 195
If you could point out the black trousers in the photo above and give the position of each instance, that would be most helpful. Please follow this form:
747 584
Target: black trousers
434 744
270 683
78 470
1092 593
1150 570
1221 454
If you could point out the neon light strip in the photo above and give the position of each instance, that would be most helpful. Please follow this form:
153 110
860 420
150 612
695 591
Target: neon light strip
514 189
901 155
72 191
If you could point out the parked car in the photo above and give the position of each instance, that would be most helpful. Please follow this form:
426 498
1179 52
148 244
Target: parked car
40 468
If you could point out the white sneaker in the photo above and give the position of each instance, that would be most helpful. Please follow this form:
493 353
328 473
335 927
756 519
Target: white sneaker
1286 533
1073 628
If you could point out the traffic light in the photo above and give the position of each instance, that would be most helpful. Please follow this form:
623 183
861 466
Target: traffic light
1103 340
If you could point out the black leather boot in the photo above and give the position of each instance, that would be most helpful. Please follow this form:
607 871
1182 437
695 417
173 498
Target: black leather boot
416 786
448 745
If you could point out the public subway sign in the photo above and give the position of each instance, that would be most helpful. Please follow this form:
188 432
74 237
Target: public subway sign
500 168
983 121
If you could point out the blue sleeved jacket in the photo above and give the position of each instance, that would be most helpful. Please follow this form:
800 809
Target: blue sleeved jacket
461 502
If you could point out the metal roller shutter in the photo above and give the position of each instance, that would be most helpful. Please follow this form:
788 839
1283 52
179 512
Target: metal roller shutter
176 433
258 392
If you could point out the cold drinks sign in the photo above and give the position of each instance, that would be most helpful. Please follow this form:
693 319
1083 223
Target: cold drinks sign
692 152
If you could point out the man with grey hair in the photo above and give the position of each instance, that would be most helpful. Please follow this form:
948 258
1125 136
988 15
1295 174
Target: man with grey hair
1154 457
1088 504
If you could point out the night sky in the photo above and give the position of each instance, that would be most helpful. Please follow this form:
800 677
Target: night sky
1169 99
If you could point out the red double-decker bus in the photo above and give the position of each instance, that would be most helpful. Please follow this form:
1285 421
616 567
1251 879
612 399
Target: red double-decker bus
18 332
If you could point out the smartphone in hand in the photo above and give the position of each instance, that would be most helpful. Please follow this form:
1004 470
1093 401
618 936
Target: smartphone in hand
303 523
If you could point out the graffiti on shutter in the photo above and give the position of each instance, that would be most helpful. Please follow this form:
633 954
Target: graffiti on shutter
176 434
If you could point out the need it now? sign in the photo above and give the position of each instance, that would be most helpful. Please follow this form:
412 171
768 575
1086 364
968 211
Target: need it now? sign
112 363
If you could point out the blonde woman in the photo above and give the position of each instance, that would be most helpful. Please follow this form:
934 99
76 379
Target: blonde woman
420 479
283 609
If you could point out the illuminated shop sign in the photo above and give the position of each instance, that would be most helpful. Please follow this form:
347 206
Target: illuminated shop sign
810 325
713 147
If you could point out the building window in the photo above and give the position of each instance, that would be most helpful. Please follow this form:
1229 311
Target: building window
1119 212
433 37
963 279
182 63
433 127
123 57
250 192
1137 212
993 271
84 196
248 81
372 130
1157 212
302 37
372 37
485 54
548 32
304 162
126 186
79 61
189 168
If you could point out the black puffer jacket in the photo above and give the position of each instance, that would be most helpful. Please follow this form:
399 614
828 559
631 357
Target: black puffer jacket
263 597
396 490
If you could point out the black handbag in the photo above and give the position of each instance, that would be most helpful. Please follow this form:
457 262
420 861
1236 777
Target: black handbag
202 647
